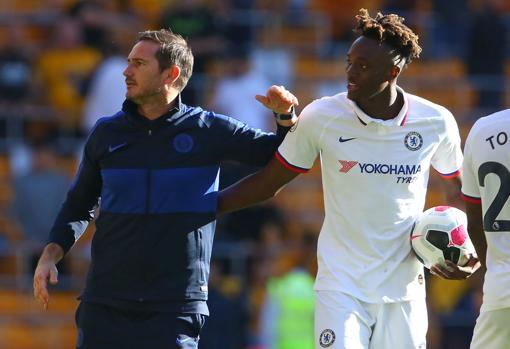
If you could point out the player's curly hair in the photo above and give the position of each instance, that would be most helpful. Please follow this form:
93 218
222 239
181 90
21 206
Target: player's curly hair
391 30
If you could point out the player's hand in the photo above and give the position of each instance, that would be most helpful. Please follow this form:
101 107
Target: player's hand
44 272
278 99
454 272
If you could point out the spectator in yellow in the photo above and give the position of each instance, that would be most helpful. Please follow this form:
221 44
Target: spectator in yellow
64 69
288 311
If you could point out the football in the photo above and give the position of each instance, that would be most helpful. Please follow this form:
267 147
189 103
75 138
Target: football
439 234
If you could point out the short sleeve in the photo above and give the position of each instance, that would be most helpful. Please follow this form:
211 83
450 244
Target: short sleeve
300 147
447 159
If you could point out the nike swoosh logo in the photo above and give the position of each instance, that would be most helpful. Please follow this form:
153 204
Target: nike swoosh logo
112 148
181 341
341 139
415 237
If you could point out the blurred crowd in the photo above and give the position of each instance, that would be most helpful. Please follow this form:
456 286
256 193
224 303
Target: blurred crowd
61 64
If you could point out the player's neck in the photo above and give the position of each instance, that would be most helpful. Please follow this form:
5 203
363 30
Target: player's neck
155 108
385 105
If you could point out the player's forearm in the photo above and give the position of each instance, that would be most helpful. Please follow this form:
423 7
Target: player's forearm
52 253
452 190
476 232
480 245
245 193
256 188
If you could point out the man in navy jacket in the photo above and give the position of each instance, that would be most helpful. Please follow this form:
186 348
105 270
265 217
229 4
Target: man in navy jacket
154 170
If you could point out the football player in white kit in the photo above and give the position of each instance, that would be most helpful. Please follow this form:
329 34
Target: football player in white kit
376 144
486 189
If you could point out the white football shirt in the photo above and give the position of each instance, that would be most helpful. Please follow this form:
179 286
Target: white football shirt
374 175
487 179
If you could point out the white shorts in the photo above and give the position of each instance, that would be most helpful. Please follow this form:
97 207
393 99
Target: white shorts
492 330
344 322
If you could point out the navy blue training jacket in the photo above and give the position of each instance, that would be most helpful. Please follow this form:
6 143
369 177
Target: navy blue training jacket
156 183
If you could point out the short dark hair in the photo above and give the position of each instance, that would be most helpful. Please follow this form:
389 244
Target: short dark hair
173 50
391 30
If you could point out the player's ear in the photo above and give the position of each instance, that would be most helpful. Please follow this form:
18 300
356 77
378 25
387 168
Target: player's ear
394 71
172 74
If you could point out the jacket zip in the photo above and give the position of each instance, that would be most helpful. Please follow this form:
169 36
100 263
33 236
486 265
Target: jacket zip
200 255
147 197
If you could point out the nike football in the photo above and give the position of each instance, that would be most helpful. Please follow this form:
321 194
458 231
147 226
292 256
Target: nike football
440 234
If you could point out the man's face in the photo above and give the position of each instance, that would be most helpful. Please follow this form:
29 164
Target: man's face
143 76
368 69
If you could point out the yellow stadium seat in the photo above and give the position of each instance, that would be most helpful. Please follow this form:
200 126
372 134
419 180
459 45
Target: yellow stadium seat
317 68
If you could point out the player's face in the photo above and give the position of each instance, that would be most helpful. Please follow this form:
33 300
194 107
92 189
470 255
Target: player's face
368 69
144 79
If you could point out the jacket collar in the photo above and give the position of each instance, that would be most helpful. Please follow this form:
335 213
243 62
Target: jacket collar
130 108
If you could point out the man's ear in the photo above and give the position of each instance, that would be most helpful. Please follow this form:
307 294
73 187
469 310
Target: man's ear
395 71
172 74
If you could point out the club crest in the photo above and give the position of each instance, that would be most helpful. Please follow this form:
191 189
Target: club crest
327 338
413 141
183 143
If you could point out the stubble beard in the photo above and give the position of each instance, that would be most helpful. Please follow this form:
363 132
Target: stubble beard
146 97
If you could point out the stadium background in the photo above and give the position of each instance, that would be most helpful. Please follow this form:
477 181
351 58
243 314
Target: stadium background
50 54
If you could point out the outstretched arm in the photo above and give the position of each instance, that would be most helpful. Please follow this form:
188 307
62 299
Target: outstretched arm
256 188
251 146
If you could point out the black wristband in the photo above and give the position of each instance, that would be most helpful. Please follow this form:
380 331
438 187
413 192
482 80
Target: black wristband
285 117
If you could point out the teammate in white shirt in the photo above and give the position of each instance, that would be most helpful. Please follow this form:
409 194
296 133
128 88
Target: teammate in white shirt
376 144
486 189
